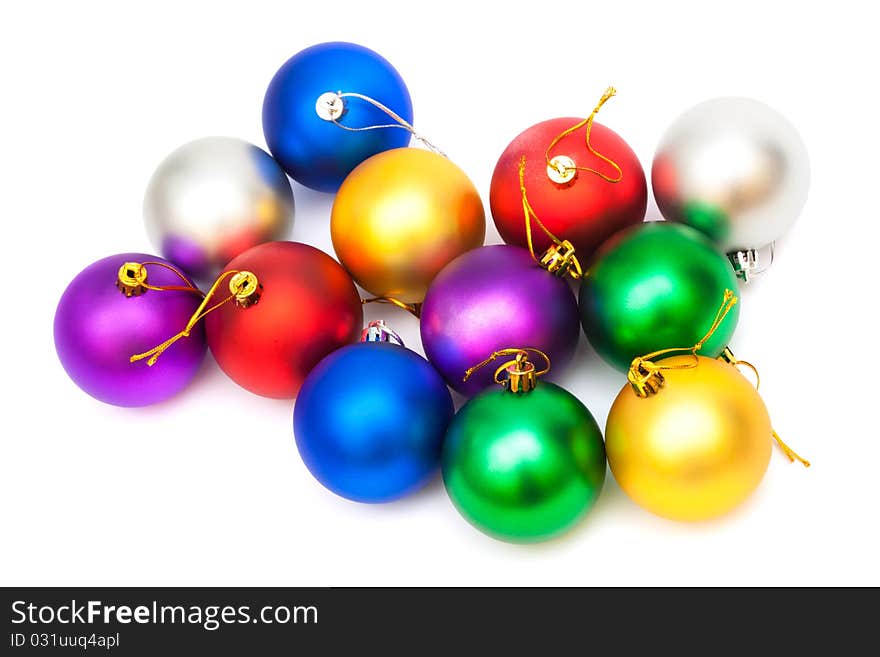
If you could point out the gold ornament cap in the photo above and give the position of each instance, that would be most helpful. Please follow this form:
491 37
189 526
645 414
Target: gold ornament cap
644 380
561 170
560 260
521 374
132 279
518 375
245 288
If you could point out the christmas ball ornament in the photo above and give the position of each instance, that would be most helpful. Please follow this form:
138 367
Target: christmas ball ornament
369 420
735 169
400 217
583 181
304 306
213 198
118 307
689 437
696 449
525 462
489 298
329 108
651 286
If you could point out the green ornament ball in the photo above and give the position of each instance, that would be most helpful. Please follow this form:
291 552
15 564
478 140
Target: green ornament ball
655 286
524 467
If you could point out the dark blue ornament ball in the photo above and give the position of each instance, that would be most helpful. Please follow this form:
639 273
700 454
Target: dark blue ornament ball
314 151
370 419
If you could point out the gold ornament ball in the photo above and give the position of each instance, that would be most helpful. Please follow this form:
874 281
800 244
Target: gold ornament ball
400 217
695 449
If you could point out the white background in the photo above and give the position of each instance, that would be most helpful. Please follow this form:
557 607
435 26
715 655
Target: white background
208 489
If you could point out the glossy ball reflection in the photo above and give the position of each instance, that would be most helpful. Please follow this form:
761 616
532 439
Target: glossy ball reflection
655 286
400 217
524 467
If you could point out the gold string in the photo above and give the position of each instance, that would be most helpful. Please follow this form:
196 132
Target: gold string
520 353
736 363
588 122
574 270
788 451
642 368
189 287
414 309
645 363
153 354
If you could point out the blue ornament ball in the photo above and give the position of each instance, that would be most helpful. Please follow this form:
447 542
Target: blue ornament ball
370 419
313 150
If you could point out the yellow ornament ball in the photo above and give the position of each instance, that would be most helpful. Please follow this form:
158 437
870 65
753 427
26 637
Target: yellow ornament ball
696 448
400 217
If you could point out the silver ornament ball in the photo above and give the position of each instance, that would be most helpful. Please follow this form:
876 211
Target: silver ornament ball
735 169
213 198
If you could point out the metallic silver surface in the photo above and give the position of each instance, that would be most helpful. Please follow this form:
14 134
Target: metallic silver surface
752 262
379 331
736 169
213 198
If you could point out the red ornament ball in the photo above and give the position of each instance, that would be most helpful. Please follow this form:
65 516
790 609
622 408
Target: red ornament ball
586 210
307 307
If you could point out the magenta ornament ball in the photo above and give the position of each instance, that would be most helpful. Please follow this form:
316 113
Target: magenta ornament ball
98 329
491 298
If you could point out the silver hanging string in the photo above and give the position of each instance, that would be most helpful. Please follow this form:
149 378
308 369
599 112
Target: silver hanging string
330 108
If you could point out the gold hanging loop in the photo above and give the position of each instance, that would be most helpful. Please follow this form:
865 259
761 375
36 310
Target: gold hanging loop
244 289
132 279
560 258
330 106
646 376
414 309
521 374
562 169
728 357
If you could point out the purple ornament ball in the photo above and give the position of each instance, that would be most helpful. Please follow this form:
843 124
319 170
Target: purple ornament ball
98 328
492 298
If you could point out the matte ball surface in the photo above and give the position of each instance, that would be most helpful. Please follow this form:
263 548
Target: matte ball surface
400 217
213 198
586 211
98 329
735 169
369 421
314 151
697 448
656 286
524 467
307 308
493 298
